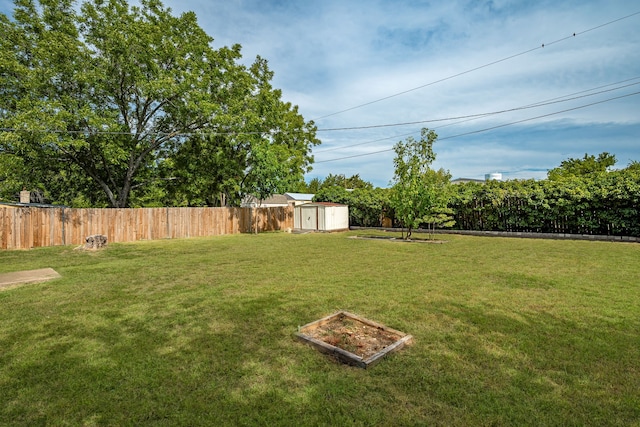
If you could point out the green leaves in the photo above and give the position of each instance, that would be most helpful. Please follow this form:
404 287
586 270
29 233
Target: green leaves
606 203
267 173
134 96
259 144
418 191
588 165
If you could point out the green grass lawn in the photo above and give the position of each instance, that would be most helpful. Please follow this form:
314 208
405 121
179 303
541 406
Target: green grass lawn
201 332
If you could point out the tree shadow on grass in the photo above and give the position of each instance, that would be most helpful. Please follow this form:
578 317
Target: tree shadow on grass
238 365
189 361
519 368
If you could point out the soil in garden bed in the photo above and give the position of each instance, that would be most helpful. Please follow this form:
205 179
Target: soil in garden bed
354 336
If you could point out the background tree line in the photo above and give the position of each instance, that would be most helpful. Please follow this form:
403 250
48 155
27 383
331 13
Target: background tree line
580 196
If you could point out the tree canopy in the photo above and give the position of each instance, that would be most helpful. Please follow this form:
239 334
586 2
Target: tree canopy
119 102
341 180
419 193
588 165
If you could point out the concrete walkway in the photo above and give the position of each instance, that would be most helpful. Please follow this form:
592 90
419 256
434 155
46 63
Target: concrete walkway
28 276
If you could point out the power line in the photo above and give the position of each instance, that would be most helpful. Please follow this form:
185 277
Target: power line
565 98
477 68
364 143
538 104
592 89
486 129
469 117
480 115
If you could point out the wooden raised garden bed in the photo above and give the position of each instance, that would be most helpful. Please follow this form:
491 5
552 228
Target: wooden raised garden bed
352 339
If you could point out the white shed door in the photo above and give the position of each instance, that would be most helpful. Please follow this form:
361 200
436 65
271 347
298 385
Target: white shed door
309 217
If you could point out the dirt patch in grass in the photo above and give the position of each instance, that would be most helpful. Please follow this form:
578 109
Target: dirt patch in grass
398 239
354 336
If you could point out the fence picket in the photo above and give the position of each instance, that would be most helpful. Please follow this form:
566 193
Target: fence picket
30 227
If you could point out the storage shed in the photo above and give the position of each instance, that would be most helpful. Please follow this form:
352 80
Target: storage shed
321 216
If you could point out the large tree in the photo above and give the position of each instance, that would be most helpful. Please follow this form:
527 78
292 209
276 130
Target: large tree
270 154
110 94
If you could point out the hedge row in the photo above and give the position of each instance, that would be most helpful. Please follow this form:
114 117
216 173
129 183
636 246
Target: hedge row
607 204
601 204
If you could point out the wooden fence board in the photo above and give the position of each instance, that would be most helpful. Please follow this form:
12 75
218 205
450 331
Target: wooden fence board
29 227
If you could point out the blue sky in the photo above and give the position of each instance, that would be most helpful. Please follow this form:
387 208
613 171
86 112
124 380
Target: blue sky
332 55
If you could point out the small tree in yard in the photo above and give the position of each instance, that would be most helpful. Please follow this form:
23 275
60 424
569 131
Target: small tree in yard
419 194
439 215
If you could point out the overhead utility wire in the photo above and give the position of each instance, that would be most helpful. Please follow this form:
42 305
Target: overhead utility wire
589 90
477 68
525 107
469 117
368 142
487 129
477 116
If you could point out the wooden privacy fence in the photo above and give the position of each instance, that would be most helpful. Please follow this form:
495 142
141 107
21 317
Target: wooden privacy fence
30 227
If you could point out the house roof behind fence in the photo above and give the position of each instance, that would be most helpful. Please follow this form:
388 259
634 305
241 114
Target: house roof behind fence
328 204
299 196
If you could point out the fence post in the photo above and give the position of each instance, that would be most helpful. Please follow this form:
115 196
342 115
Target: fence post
168 233
64 234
